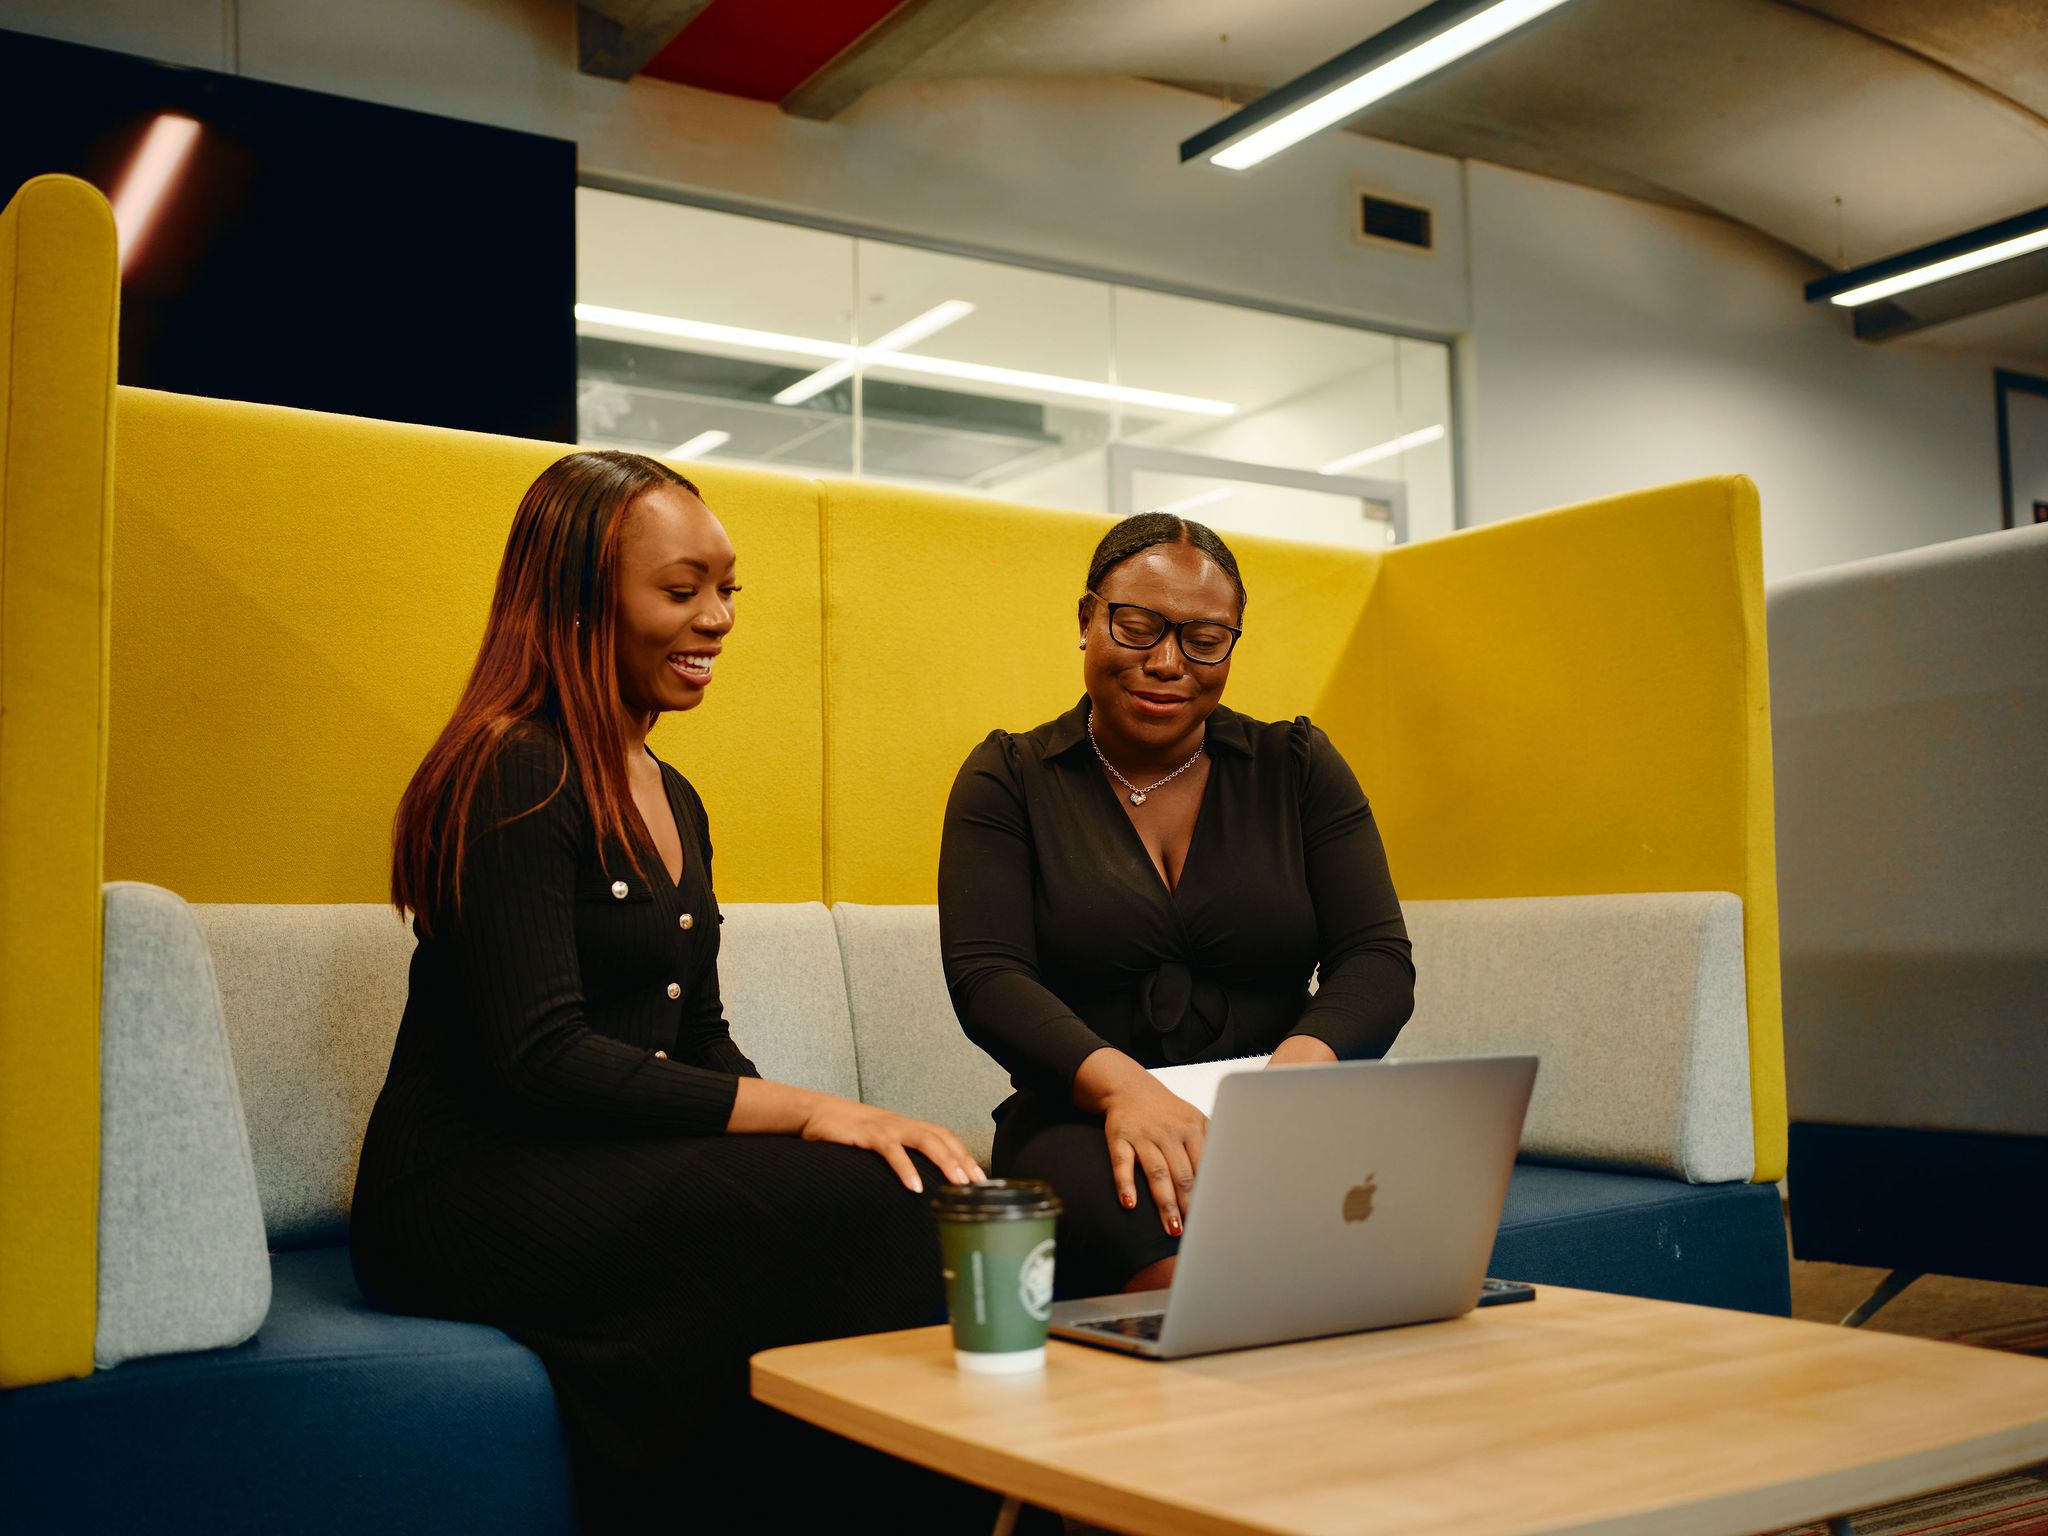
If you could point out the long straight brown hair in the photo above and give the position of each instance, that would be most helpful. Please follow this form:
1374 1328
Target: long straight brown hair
547 656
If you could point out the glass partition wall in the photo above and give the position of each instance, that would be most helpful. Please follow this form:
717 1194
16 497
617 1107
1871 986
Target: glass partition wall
709 335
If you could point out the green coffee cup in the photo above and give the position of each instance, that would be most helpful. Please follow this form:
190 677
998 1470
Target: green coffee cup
997 1241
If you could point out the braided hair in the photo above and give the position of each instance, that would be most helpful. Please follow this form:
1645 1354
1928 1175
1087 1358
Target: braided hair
1144 529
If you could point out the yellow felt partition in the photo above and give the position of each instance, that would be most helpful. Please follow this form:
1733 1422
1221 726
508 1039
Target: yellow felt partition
302 596
59 290
1577 702
947 617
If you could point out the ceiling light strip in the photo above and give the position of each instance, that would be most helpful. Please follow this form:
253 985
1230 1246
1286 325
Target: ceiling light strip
1387 450
701 444
1199 499
1435 36
1981 247
669 327
907 334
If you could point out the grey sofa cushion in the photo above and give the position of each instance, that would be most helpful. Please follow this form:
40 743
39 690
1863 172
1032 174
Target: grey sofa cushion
785 994
312 997
1635 1003
1909 718
182 1259
913 1057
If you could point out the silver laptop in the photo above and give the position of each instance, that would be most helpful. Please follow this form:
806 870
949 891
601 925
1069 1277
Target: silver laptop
1330 1200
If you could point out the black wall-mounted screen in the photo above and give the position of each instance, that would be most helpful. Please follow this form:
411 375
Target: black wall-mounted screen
320 252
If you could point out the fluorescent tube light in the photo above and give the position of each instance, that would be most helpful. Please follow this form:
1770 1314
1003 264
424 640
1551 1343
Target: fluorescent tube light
905 335
1420 45
1385 450
150 177
1935 271
668 326
1050 384
701 444
664 327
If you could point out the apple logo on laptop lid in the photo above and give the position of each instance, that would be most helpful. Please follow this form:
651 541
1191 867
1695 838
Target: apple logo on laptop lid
1358 1199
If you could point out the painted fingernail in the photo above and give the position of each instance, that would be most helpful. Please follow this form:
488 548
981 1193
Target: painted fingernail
917 1186
1130 1202
1173 1226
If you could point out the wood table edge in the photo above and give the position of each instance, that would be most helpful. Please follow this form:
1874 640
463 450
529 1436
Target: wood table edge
1004 1472
1761 1508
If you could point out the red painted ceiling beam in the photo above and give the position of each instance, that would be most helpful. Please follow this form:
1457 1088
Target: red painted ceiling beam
764 49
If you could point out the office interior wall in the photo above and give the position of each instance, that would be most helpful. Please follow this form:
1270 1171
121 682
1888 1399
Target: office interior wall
1606 343
1616 344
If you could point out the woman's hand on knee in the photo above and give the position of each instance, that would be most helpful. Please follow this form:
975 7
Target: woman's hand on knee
1154 1132
893 1138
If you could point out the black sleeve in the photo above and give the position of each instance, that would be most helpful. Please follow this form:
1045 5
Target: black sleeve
514 943
704 1037
986 935
1365 988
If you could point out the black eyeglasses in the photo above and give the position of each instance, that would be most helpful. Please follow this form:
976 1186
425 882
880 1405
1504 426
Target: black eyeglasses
1140 629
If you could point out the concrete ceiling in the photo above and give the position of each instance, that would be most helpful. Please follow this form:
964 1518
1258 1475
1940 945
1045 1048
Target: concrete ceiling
1923 118
1849 130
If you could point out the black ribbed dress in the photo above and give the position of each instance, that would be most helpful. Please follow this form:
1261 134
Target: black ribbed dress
534 1164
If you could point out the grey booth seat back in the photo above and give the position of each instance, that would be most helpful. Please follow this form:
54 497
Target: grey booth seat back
1635 1003
182 1260
1909 719
312 997
913 1057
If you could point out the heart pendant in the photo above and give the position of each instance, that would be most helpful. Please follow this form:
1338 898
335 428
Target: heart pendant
1137 797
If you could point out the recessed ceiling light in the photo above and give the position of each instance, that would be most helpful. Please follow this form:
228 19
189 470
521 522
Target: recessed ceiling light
701 444
1416 46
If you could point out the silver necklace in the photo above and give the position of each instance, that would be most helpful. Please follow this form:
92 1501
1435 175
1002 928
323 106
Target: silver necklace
1138 796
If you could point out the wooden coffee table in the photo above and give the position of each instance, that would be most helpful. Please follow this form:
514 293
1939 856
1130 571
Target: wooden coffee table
1578 1412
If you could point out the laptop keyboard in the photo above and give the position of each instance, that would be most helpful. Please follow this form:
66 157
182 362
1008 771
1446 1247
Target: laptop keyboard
1138 1325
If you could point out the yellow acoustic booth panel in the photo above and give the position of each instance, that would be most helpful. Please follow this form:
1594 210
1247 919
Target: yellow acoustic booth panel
59 291
948 617
302 596
1577 702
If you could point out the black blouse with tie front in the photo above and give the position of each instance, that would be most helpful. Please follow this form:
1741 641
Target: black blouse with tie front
1060 937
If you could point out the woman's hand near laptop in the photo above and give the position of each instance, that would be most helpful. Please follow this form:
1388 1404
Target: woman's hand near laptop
763 1108
1301 1051
1147 1126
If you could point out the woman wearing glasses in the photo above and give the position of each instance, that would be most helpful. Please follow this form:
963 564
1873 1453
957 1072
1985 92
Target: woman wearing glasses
1153 879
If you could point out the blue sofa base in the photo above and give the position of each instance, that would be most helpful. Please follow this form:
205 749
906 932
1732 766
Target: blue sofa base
1715 1245
337 1419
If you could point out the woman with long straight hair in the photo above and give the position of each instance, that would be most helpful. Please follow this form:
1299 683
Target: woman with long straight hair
569 1144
